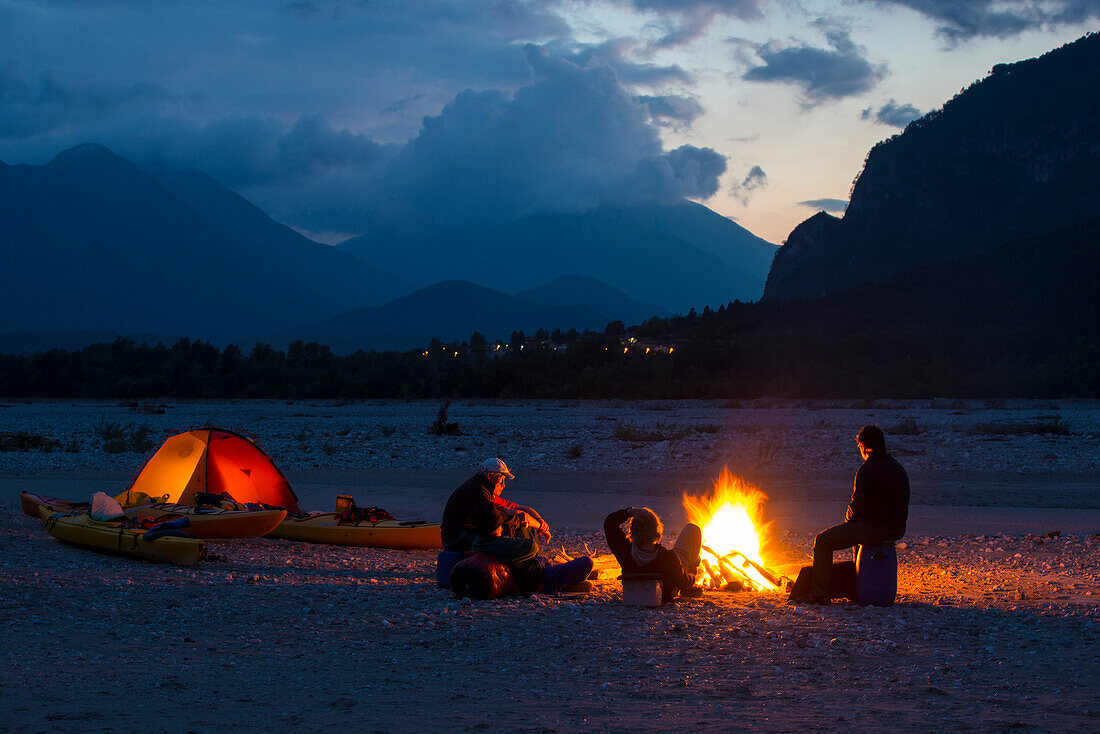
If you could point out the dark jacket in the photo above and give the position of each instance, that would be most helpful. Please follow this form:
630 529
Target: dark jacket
667 563
880 497
521 555
456 515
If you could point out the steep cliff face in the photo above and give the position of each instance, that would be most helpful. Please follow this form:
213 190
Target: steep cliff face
1015 155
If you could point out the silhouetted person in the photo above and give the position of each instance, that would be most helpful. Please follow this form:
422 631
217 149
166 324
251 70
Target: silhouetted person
876 513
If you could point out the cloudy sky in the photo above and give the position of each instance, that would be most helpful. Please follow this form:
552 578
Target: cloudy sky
343 116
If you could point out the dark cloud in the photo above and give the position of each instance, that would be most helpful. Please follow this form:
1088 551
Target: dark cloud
34 105
959 21
755 179
242 151
891 113
833 206
671 109
571 140
347 59
841 70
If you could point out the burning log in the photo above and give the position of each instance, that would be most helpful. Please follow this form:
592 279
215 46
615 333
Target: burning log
733 574
772 578
716 580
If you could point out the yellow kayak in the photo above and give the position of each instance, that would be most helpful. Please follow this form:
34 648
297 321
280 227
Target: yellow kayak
78 528
324 528
207 524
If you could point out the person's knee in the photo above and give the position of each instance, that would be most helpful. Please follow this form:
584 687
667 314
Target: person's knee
821 542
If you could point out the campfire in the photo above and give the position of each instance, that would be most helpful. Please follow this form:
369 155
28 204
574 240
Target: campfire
732 519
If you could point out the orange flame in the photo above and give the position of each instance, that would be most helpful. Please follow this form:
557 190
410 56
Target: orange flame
732 519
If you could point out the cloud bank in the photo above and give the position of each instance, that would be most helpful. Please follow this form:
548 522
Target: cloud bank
840 70
961 20
572 140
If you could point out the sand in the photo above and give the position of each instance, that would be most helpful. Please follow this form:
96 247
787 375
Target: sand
997 625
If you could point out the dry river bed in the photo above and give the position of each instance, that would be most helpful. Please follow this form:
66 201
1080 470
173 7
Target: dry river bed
997 626
991 633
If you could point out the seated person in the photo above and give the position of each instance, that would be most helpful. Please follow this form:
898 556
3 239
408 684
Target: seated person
530 571
638 551
877 512
486 486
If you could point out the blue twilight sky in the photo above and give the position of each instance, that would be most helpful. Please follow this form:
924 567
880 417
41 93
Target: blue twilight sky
343 116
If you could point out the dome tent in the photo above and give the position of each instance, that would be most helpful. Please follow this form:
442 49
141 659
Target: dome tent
214 460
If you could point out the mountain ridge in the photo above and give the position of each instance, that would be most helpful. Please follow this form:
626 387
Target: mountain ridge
1014 155
630 248
411 321
93 243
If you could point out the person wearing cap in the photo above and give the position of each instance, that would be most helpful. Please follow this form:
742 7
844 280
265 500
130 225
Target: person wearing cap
876 513
486 486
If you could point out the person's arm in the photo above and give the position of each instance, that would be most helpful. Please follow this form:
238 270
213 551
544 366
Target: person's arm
535 520
504 504
616 538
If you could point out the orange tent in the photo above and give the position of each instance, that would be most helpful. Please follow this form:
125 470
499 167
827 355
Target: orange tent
214 460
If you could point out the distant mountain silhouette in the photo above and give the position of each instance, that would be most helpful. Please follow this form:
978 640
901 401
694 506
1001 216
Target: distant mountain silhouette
678 257
580 290
91 243
450 311
1016 155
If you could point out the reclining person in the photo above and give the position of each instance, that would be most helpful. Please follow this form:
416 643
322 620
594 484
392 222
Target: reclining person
638 551
530 571
486 486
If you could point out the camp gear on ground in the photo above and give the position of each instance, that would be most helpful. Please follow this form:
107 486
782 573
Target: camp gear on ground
223 501
207 524
876 574
444 562
214 460
842 582
355 514
78 528
323 527
495 465
480 576
104 508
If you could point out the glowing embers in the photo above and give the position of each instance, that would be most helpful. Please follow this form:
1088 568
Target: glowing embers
732 519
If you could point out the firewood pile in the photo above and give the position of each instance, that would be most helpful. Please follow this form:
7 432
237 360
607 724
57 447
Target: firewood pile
734 571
